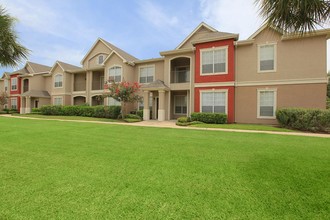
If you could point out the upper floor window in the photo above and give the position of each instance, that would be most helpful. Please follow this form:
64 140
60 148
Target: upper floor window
214 61
115 73
147 74
14 84
267 58
6 85
214 101
266 103
100 59
58 81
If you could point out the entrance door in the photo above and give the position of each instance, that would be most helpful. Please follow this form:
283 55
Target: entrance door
36 103
157 107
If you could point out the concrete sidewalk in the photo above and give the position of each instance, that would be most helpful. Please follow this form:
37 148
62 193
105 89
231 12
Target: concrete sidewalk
171 124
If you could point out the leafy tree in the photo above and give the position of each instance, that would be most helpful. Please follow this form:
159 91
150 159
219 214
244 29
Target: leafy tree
11 51
3 99
295 15
123 92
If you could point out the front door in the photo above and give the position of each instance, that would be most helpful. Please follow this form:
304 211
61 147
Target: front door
36 103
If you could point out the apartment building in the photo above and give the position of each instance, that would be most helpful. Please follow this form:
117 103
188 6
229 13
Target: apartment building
209 71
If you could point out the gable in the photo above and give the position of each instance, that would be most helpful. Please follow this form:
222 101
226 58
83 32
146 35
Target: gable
28 68
268 34
98 48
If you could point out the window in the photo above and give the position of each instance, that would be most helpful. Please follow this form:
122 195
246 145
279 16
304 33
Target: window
100 59
266 58
147 74
266 103
113 102
180 104
14 84
115 73
13 103
58 81
214 101
182 74
214 61
6 85
58 101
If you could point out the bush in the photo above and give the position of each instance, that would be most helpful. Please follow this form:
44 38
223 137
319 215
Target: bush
314 120
132 116
140 113
209 118
328 103
13 111
35 110
82 110
184 119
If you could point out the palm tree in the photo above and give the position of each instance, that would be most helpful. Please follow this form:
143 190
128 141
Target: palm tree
11 51
298 16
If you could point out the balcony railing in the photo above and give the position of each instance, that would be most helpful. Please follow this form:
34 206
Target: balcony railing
182 76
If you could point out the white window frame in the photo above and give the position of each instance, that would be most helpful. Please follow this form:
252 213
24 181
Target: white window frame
11 84
147 66
213 90
98 59
121 72
258 103
175 104
58 97
275 58
11 103
116 103
213 49
58 74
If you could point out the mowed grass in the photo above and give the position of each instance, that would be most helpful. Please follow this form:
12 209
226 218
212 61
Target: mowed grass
69 170
244 127
63 117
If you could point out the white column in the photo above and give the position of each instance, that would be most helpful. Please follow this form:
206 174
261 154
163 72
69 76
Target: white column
22 109
161 108
28 105
146 110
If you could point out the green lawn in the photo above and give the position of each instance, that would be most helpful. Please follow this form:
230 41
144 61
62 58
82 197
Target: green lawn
244 127
69 170
61 117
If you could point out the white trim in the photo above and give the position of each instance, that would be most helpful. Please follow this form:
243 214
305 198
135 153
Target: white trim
263 27
282 82
194 31
113 52
108 73
57 97
61 93
169 67
11 84
56 63
201 61
90 50
146 66
258 102
59 87
11 104
213 90
214 84
174 101
275 57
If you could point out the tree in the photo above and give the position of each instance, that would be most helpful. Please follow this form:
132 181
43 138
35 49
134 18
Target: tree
11 51
123 92
298 16
3 99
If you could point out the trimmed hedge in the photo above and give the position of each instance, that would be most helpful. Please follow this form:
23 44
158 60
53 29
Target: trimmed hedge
81 110
314 120
209 118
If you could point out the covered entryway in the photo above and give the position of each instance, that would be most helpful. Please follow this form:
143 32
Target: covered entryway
159 93
79 100
34 99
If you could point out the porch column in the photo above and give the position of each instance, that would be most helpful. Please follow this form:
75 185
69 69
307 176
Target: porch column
28 105
22 109
161 109
146 110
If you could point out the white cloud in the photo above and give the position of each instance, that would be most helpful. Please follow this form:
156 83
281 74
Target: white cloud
156 15
234 16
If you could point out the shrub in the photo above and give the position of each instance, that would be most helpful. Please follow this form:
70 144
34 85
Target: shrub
82 110
131 120
209 118
35 110
132 116
314 120
184 119
328 103
13 111
140 113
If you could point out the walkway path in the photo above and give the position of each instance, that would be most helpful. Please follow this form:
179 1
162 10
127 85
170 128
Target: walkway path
171 124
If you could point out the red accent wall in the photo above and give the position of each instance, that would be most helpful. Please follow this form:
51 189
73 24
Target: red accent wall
231 62
17 92
231 100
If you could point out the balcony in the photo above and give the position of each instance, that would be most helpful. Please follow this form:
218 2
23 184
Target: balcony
98 80
181 75
79 82
25 85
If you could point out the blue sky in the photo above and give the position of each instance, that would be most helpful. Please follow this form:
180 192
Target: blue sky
66 29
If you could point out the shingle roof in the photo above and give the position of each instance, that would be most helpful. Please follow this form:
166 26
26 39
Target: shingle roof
123 54
67 66
37 93
155 85
39 68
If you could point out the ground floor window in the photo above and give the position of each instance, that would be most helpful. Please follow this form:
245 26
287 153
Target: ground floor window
13 103
214 101
113 102
141 104
58 101
266 103
180 104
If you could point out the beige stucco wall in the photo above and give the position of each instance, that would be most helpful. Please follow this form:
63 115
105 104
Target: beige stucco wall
202 31
302 96
127 70
296 59
90 61
159 70
36 82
